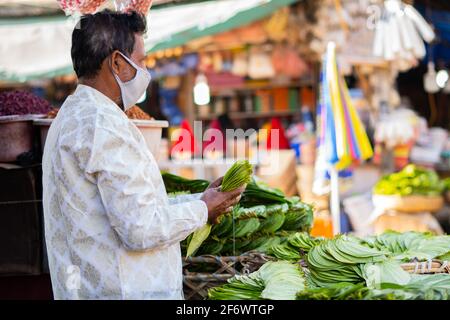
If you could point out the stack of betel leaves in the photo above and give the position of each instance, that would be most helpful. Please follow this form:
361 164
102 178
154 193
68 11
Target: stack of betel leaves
420 287
265 217
237 176
257 228
273 281
412 180
175 184
348 267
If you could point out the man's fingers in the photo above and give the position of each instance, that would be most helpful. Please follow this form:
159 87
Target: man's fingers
216 183
236 193
228 210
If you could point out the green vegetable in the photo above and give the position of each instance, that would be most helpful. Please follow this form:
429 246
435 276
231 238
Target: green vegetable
341 260
274 281
246 227
224 226
197 239
212 247
386 272
411 245
299 217
284 252
303 241
238 175
174 184
258 193
412 180
275 215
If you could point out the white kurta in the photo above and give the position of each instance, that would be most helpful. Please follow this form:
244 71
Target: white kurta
111 230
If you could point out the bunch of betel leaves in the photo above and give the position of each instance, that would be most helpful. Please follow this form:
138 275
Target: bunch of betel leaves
238 175
257 228
178 185
348 267
264 218
420 287
273 281
412 180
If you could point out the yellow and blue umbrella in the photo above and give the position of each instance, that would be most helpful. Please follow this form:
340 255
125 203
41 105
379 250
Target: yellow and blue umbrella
342 140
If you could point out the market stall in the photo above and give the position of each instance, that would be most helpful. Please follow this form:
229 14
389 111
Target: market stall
346 185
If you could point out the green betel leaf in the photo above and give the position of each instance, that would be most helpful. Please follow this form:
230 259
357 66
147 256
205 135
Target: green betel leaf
198 238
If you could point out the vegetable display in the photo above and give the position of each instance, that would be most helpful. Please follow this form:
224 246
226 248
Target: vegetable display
423 287
248 227
350 268
412 180
259 228
238 175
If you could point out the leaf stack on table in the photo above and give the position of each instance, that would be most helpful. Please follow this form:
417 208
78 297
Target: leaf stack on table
390 266
351 268
263 218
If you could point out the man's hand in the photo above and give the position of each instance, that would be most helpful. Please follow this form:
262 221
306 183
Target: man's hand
219 202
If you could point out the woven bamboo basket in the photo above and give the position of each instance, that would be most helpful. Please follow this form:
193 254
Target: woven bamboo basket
212 271
409 204
427 267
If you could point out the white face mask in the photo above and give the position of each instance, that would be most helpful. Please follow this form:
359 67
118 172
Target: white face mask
134 89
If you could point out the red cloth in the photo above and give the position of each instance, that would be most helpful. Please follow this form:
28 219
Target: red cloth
283 142
215 124
186 140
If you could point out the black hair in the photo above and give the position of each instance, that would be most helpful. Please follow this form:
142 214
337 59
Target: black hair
100 34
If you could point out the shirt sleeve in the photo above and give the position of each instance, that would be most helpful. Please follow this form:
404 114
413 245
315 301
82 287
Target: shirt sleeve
185 198
132 191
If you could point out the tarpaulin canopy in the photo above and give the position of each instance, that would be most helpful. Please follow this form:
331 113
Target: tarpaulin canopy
35 48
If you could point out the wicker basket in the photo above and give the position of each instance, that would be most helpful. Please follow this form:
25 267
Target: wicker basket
409 204
428 267
197 284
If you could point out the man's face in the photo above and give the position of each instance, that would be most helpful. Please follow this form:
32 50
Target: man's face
127 72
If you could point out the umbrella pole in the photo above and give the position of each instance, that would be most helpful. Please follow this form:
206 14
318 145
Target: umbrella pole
335 202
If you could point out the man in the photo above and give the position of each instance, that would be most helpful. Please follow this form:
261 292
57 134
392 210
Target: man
111 230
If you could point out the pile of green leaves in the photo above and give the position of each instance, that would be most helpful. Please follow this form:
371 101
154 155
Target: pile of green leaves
341 260
411 245
176 185
258 228
297 245
412 180
273 281
258 193
238 175
420 287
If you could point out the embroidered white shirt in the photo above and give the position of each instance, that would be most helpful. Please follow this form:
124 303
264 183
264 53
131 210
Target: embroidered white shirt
111 231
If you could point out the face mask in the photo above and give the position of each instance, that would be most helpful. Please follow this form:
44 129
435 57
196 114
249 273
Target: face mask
134 89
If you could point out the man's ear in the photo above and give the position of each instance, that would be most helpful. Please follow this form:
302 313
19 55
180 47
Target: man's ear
116 62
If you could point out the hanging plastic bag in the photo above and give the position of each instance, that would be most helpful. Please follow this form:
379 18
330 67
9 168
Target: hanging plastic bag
260 65
72 7
240 64
140 6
